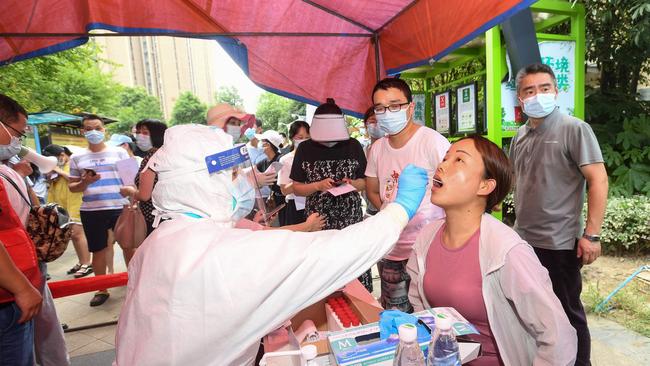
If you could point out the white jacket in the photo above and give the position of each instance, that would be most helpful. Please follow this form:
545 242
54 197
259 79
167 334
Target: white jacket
200 294
526 318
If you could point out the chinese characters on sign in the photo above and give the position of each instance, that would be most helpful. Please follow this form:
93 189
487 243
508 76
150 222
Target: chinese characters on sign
420 105
443 112
466 100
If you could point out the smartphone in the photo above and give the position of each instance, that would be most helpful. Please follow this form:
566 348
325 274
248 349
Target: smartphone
339 183
275 210
90 172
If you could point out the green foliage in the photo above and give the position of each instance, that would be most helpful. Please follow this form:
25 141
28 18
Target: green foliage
70 81
188 109
134 105
626 228
230 95
618 41
277 112
626 150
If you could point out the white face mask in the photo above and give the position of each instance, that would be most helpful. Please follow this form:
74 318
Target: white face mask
328 144
297 142
143 142
540 105
234 131
392 122
7 151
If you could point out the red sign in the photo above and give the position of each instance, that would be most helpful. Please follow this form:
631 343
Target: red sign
443 101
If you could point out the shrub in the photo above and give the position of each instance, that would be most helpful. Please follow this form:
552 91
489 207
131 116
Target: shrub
626 228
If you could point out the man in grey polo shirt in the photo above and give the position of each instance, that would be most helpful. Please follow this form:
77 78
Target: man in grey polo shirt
554 155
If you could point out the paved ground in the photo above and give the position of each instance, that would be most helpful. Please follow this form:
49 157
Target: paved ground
612 344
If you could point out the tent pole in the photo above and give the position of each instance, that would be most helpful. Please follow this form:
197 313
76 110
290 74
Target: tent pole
375 37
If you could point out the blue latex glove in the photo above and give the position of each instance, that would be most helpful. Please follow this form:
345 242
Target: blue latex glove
411 187
249 133
390 320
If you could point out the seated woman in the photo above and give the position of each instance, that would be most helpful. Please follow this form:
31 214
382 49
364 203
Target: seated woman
476 264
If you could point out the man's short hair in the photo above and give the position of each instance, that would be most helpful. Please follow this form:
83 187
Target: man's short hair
258 122
10 110
535 69
393 83
88 117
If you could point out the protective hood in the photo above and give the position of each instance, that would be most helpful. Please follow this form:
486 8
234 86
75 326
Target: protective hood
329 127
184 184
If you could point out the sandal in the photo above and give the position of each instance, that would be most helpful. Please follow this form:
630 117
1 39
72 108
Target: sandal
84 270
99 298
74 269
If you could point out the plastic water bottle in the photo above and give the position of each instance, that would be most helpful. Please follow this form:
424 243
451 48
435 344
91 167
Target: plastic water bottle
408 351
443 349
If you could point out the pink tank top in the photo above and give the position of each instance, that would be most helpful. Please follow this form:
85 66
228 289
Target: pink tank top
453 278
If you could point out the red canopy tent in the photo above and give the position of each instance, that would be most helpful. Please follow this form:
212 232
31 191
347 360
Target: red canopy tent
306 50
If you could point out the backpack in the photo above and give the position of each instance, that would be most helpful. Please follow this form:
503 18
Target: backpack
17 244
48 226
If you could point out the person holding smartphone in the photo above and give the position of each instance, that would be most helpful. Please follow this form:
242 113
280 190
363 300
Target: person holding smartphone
329 158
271 142
93 172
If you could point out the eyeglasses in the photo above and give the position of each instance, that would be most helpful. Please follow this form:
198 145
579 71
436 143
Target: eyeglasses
21 135
380 109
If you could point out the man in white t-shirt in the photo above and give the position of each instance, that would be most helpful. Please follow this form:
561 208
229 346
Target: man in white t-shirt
94 173
405 143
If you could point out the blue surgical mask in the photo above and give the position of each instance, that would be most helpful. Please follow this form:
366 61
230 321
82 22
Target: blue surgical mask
250 133
243 198
94 137
375 131
392 122
540 105
7 151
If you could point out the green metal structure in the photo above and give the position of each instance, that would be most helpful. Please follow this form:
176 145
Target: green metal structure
565 20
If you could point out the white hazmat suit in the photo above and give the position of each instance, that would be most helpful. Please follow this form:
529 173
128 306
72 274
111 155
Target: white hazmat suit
201 292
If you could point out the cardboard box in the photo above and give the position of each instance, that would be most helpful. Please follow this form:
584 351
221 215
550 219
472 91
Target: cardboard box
318 313
362 346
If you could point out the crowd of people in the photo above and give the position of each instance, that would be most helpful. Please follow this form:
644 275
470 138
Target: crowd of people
211 243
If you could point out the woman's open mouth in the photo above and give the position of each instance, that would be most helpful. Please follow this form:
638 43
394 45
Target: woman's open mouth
437 182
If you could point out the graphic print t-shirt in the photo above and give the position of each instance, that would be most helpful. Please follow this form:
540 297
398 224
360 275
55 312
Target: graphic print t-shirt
314 162
104 194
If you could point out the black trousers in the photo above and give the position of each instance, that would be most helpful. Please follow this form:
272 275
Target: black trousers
564 269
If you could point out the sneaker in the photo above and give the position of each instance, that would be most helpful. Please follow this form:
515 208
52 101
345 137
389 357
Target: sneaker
84 270
74 269
99 298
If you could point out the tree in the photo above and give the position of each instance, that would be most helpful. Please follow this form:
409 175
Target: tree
618 41
69 81
278 112
188 109
230 95
134 105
